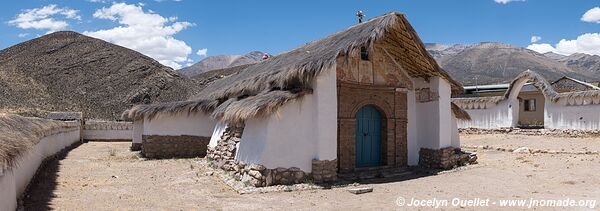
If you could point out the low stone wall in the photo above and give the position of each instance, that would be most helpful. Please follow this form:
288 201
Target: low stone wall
532 132
157 146
445 158
324 170
95 130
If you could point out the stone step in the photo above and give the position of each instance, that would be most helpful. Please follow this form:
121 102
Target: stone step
383 173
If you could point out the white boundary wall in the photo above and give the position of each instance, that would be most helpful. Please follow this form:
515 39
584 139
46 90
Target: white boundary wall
577 117
557 115
107 130
493 116
138 130
194 124
14 181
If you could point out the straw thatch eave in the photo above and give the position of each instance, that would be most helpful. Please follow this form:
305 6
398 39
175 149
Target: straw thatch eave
460 113
477 102
19 134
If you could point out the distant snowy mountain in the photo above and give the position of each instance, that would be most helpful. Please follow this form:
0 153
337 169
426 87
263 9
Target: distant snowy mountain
221 62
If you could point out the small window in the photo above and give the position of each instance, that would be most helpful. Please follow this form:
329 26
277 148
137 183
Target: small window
364 54
529 105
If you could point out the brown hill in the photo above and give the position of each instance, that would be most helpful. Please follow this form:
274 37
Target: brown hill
67 71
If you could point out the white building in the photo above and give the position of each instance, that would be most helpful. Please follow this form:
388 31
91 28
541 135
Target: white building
367 98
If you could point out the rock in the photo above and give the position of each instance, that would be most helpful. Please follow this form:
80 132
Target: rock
254 173
299 175
361 190
210 173
522 150
257 167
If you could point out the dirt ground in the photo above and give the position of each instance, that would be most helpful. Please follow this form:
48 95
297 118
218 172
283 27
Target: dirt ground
106 176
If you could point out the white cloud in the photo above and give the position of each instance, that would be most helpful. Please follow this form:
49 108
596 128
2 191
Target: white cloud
535 39
45 18
592 15
23 35
145 32
506 1
588 43
202 52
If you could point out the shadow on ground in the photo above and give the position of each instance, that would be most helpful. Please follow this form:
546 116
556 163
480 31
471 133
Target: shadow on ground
40 190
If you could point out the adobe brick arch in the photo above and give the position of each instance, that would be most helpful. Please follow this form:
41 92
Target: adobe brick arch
383 107
538 81
512 93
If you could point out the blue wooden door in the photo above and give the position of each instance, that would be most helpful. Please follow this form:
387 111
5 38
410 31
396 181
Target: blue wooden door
368 137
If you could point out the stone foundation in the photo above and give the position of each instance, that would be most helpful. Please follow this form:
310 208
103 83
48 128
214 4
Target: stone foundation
136 146
259 176
324 170
446 158
156 146
222 156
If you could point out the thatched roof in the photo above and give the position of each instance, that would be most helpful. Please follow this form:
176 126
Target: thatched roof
19 134
240 96
65 116
572 98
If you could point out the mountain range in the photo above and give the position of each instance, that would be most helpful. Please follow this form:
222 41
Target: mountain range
492 62
221 62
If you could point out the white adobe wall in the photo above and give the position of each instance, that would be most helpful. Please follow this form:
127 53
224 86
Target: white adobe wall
194 124
14 181
412 133
494 116
579 117
433 118
107 130
454 131
297 133
430 124
138 129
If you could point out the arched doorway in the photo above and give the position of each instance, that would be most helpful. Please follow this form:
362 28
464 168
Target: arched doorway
527 98
368 137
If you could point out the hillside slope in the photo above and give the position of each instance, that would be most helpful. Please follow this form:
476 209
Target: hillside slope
67 71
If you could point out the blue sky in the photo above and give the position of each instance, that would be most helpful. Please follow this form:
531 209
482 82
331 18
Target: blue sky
172 31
